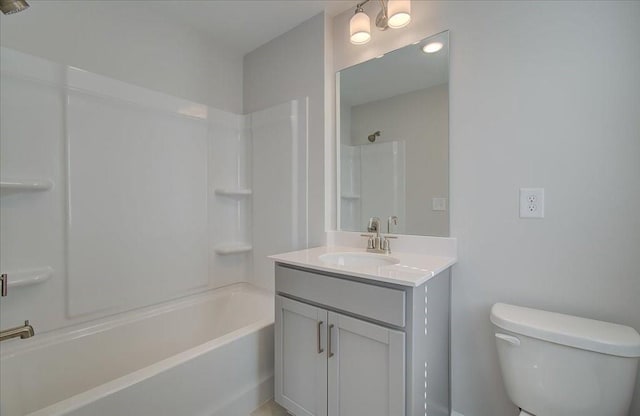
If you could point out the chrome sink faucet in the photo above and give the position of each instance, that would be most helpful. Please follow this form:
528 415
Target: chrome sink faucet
374 225
377 243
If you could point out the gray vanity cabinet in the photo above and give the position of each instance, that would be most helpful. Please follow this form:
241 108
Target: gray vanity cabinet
354 347
332 364
366 370
302 363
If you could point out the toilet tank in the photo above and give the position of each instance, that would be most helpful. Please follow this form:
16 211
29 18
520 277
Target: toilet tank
561 365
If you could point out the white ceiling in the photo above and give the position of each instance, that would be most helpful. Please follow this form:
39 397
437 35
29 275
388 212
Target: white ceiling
241 26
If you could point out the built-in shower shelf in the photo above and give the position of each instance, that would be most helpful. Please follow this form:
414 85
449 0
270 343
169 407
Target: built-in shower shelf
350 196
233 192
25 185
233 248
28 277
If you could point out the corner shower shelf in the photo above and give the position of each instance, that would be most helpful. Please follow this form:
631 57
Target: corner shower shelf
28 277
25 185
233 193
350 196
232 248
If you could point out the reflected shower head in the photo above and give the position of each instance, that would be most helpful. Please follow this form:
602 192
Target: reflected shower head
372 137
13 6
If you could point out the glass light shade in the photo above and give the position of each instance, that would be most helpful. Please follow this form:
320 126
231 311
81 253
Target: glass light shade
360 28
399 12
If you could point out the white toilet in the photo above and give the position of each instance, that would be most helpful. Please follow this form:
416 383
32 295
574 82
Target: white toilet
561 365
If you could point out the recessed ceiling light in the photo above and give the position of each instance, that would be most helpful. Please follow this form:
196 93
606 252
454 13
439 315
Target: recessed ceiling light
432 47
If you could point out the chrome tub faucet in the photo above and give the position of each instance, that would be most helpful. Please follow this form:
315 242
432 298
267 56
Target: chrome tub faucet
25 331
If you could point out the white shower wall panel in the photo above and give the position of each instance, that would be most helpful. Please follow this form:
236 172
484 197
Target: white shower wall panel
230 219
137 228
280 177
31 224
230 151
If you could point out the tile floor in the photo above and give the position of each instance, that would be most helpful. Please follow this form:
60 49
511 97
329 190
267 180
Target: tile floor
269 409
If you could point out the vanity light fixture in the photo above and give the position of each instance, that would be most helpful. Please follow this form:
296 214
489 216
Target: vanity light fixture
13 6
399 12
360 27
432 47
393 14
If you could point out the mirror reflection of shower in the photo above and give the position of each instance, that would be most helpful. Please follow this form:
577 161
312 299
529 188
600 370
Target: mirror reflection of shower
372 137
373 184
13 6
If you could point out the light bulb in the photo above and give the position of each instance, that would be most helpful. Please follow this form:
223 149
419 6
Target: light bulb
360 28
399 12
432 47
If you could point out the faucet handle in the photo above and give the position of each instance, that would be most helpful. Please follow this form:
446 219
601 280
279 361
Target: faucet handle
386 245
371 241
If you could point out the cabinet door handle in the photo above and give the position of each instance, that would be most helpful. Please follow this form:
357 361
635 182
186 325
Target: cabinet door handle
4 284
320 350
329 353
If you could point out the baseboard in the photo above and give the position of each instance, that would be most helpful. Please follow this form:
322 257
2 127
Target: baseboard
247 401
258 396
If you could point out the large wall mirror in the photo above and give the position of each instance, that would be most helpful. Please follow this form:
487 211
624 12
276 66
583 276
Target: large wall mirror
393 135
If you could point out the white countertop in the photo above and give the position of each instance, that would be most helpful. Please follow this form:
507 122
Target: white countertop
413 269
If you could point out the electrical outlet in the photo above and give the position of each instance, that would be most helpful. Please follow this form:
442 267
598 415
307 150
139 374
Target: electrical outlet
531 202
439 204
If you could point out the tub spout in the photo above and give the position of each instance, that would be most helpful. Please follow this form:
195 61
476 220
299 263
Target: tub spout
25 331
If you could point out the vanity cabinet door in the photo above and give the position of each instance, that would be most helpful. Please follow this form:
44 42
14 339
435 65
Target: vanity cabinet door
301 357
366 368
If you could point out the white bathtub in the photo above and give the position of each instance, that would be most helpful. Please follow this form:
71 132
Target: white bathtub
209 354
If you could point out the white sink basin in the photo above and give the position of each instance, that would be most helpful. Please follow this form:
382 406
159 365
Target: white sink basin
358 259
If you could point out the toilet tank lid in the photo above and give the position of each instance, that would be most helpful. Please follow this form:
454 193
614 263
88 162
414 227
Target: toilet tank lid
586 334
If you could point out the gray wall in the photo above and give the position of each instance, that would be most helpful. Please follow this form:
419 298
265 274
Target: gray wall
288 67
127 42
543 94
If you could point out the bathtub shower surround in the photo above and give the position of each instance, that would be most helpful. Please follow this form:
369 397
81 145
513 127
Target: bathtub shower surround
129 217
149 197
141 199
